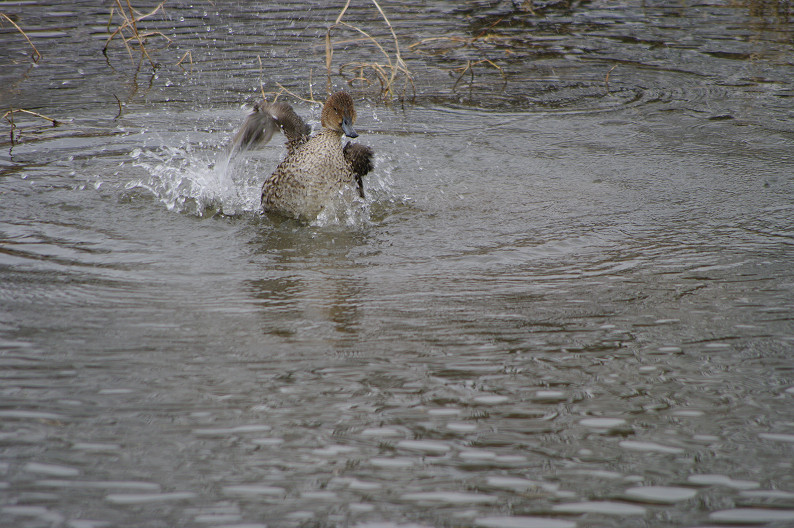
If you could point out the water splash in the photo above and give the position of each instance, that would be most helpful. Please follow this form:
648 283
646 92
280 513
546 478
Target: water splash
206 183
200 183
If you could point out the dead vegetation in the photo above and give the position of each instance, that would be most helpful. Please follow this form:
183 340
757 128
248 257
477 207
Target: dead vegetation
36 55
445 45
386 73
9 116
129 32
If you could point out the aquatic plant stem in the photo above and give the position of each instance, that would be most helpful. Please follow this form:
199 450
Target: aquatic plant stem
386 73
130 21
37 54
9 116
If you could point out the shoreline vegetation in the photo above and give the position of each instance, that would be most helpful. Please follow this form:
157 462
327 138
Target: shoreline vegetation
391 77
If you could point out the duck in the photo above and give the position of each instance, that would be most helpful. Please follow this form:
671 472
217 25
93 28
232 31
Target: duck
316 167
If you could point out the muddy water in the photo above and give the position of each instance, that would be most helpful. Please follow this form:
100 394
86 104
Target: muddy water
566 300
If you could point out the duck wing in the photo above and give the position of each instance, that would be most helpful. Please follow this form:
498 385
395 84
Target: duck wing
265 119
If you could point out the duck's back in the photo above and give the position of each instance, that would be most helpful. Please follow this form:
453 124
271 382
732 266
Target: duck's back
302 183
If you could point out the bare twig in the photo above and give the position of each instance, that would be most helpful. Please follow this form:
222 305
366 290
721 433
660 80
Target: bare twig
606 79
36 54
11 121
464 42
9 116
189 55
130 19
261 80
385 73
12 111
470 68
119 103
329 50
282 89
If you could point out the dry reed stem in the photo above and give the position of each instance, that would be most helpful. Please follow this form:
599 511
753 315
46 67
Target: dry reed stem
120 108
261 80
386 73
400 63
329 50
13 111
9 116
470 68
465 41
130 18
188 54
36 53
606 78
282 89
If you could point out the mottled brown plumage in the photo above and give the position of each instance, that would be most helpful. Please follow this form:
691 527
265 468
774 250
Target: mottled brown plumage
315 168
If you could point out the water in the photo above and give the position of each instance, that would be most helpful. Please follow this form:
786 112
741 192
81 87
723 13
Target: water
566 301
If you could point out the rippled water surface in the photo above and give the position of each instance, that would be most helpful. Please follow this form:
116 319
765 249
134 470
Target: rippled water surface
565 302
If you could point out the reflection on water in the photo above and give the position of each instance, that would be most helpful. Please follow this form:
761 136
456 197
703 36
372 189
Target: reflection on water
566 301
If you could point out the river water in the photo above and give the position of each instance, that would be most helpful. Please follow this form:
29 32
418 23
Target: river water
565 302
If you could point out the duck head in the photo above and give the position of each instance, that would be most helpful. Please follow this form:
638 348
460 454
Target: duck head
339 114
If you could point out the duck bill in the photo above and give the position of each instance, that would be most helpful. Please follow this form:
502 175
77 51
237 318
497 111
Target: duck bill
347 128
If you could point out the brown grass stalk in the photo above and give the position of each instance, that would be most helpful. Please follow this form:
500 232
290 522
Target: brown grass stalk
385 73
188 55
470 68
464 41
131 17
9 116
36 54
606 78
282 89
